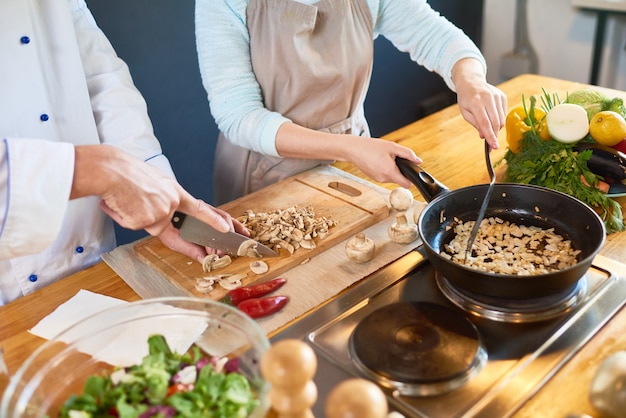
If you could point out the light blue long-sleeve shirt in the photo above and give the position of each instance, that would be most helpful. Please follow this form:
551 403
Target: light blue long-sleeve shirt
234 95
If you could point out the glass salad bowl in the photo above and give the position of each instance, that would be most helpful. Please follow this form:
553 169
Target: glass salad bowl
114 341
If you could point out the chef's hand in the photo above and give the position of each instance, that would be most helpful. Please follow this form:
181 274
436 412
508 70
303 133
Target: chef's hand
137 195
172 239
482 105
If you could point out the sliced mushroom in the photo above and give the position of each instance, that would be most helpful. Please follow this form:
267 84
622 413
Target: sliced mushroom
207 263
204 284
222 262
264 236
232 281
214 261
281 243
259 267
296 234
248 249
309 244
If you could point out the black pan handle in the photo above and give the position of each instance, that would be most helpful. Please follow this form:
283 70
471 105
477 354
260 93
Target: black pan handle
427 185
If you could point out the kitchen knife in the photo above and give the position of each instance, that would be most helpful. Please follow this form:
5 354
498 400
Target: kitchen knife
196 231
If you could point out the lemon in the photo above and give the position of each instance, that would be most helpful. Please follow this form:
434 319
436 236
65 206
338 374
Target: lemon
607 128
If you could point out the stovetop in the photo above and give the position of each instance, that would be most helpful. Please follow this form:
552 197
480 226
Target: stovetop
522 353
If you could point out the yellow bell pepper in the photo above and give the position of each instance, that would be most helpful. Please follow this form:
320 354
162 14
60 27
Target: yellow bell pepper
517 124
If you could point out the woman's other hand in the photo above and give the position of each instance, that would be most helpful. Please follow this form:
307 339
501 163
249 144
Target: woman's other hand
375 157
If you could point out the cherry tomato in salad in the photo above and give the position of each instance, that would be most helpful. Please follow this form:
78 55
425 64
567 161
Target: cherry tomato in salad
179 387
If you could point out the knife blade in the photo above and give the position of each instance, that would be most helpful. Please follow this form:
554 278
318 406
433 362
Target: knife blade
196 231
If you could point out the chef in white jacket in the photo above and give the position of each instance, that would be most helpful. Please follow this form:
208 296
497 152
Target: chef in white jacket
63 93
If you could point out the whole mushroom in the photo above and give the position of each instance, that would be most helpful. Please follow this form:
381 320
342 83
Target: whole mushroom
360 249
402 231
401 199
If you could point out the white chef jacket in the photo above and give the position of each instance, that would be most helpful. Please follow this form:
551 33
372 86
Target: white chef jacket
61 84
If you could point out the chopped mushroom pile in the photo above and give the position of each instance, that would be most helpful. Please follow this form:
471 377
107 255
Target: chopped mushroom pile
506 248
289 229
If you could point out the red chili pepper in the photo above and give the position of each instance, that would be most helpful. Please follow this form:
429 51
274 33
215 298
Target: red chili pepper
236 296
259 307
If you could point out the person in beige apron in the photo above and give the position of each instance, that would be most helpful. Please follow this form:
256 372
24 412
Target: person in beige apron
326 53
313 64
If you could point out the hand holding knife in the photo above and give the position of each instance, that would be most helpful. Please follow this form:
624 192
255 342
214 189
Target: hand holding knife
198 232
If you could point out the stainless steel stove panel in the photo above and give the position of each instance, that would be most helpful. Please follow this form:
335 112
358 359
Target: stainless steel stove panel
521 356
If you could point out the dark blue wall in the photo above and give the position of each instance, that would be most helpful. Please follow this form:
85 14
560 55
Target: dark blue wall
156 39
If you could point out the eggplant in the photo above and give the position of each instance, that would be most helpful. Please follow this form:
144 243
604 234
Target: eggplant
605 161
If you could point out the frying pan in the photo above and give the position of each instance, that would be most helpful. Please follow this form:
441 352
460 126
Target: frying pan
518 203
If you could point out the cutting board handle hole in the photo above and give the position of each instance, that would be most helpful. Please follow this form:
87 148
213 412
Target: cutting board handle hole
344 188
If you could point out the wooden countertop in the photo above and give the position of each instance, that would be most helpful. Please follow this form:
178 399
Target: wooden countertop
452 153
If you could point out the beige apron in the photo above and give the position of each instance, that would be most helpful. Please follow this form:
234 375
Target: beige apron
313 63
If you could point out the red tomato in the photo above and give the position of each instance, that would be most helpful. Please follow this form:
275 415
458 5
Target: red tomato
621 146
178 387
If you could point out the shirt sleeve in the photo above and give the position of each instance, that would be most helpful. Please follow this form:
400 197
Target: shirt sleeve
24 198
119 109
223 45
430 39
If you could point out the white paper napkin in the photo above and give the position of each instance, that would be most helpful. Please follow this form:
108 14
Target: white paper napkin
122 345
80 306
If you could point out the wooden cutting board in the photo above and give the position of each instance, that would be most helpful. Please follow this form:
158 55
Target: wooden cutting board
353 205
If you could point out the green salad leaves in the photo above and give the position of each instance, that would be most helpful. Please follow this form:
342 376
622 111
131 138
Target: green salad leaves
165 385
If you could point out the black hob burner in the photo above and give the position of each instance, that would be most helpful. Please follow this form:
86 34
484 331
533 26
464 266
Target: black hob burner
514 310
418 348
436 351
